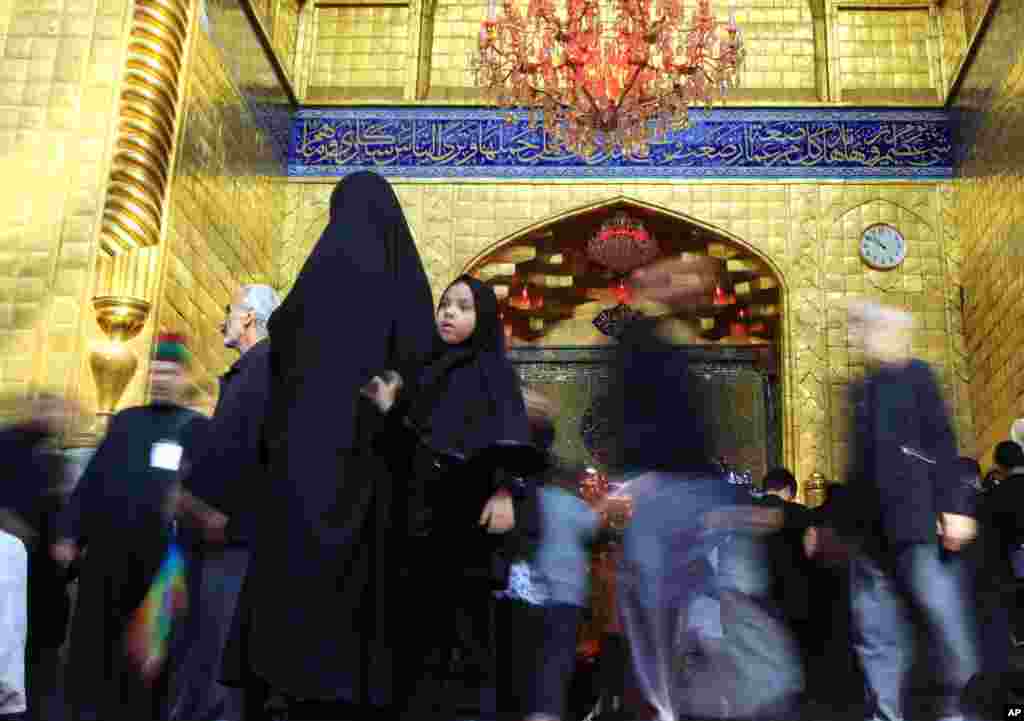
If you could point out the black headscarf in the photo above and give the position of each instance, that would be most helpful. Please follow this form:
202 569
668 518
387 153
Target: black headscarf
659 423
361 305
470 396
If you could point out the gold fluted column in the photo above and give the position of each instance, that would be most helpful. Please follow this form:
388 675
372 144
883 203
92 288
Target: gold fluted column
147 122
127 275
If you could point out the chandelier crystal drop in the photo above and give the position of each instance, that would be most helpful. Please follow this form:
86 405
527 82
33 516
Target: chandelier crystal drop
605 74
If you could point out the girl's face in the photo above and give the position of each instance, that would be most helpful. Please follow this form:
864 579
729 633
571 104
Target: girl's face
456 314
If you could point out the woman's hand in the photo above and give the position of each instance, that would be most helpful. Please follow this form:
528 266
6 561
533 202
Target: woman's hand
499 514
64 552
956 530
383 391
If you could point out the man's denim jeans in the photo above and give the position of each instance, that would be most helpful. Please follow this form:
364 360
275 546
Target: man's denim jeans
884 635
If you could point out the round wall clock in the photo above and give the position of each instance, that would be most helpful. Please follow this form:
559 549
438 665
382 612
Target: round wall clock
882 246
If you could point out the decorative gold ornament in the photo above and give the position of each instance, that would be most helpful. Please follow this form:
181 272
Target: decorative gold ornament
814 491
140 169
112 362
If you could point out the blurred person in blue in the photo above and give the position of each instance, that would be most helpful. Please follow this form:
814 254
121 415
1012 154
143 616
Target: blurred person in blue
222 479
908 517
540 612
663 448
121 513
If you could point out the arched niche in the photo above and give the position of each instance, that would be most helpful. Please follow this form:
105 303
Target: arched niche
554 290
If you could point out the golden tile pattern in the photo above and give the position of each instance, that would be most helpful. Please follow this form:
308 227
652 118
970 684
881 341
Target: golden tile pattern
225 218
954 40
60 66
809 232
973 11
988 207
285 35
780 49
456 29
360 53
885 53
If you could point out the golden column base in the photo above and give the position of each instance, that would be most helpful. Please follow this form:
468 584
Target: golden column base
113 363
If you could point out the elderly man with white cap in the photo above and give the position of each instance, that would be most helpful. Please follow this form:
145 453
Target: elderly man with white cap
903 493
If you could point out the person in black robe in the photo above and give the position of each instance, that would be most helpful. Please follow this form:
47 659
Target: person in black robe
315 629
121 515
467 400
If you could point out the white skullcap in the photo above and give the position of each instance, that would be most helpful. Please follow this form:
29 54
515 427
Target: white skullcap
1017 432
867 311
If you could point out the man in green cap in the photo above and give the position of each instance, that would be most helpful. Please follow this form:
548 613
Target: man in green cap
122 513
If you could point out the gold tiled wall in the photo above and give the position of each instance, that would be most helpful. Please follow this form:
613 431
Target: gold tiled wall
808 231
60 65
989 211
361 52
780 49
224 218
973 11
954 40
455 34
285 35
886 53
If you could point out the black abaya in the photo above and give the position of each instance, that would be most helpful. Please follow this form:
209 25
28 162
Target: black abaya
323 572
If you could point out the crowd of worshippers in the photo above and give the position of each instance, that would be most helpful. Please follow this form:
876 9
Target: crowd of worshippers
373 524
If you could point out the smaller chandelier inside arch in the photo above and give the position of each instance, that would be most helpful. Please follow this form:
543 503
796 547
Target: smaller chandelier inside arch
621 244
606 73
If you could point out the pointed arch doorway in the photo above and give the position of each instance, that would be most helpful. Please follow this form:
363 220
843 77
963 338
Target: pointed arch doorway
563 304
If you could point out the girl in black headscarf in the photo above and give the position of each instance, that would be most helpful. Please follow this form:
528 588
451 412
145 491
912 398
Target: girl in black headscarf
313 624
468 402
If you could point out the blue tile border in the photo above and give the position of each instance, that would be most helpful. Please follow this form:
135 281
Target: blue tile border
451 143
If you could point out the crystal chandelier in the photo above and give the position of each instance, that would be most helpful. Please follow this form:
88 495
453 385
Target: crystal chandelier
606 73
622 243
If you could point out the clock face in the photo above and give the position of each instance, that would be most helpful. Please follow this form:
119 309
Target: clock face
882 247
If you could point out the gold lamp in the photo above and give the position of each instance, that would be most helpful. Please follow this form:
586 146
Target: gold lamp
815 489
113 363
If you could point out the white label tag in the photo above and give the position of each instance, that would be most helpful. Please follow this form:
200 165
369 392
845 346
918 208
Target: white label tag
166 455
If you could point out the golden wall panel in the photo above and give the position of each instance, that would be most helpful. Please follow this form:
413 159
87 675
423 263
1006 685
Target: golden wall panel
888 53
807 231
360 52
954 40
60 66
780 50
285 34
225 214
987 207
974 11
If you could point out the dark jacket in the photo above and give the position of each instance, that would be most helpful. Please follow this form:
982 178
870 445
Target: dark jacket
1003 520
232 463
790 567
901 470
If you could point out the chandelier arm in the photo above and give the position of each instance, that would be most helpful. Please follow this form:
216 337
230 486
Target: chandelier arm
632 82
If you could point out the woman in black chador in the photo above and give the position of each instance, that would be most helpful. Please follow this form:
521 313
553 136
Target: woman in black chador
315 630
470 426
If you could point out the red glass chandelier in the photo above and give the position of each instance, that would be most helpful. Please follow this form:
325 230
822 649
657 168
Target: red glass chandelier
599 74
621 244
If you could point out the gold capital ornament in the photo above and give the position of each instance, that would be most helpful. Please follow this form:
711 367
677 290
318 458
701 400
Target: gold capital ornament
112 362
